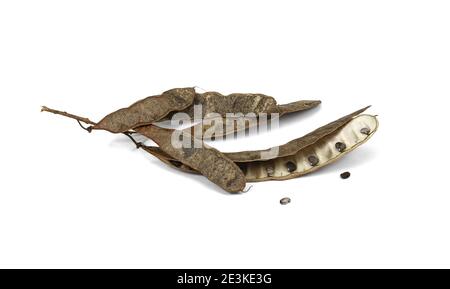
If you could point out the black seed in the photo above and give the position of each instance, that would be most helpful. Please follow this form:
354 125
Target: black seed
285 201
345 175
340 146
291 166
313 160
365 130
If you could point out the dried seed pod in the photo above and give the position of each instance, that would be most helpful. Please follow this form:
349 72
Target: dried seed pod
208 161
295 145
322 148
214 102
238 103
147 110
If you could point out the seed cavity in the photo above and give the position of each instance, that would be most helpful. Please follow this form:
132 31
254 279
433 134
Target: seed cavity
285 201
243 167
270 171
340 146
313 160
345 175
176 163
365 130
291 167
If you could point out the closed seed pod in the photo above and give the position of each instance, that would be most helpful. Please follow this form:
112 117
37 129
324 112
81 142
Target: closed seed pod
237 103
295 145
214 102
300 162
147 110
206 160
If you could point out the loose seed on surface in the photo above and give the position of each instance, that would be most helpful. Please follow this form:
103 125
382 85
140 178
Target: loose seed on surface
345 175
285 201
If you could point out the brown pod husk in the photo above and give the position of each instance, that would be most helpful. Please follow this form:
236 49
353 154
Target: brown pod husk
208 161
318 154
295 145
219 125
297 106
236 103
214 102
147 110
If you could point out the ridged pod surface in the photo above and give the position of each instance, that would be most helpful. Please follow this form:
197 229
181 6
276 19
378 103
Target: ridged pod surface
147 110
238 103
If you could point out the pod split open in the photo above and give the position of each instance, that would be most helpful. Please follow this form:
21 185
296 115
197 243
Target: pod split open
300 156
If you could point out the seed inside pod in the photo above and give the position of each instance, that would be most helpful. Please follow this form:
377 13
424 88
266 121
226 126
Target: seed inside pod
345 175
365 130
285 201
313 160
291 166
340 146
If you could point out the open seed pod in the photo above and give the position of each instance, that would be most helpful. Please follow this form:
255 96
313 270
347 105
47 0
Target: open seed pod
300 156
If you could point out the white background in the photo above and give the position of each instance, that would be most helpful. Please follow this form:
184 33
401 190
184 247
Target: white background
71 199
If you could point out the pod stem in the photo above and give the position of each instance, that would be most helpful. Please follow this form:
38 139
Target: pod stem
86 120
69 115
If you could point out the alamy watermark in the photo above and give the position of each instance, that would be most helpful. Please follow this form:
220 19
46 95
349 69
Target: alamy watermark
216 126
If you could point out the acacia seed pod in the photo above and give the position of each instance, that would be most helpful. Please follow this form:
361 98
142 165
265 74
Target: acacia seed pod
295 145
324 148
147 110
